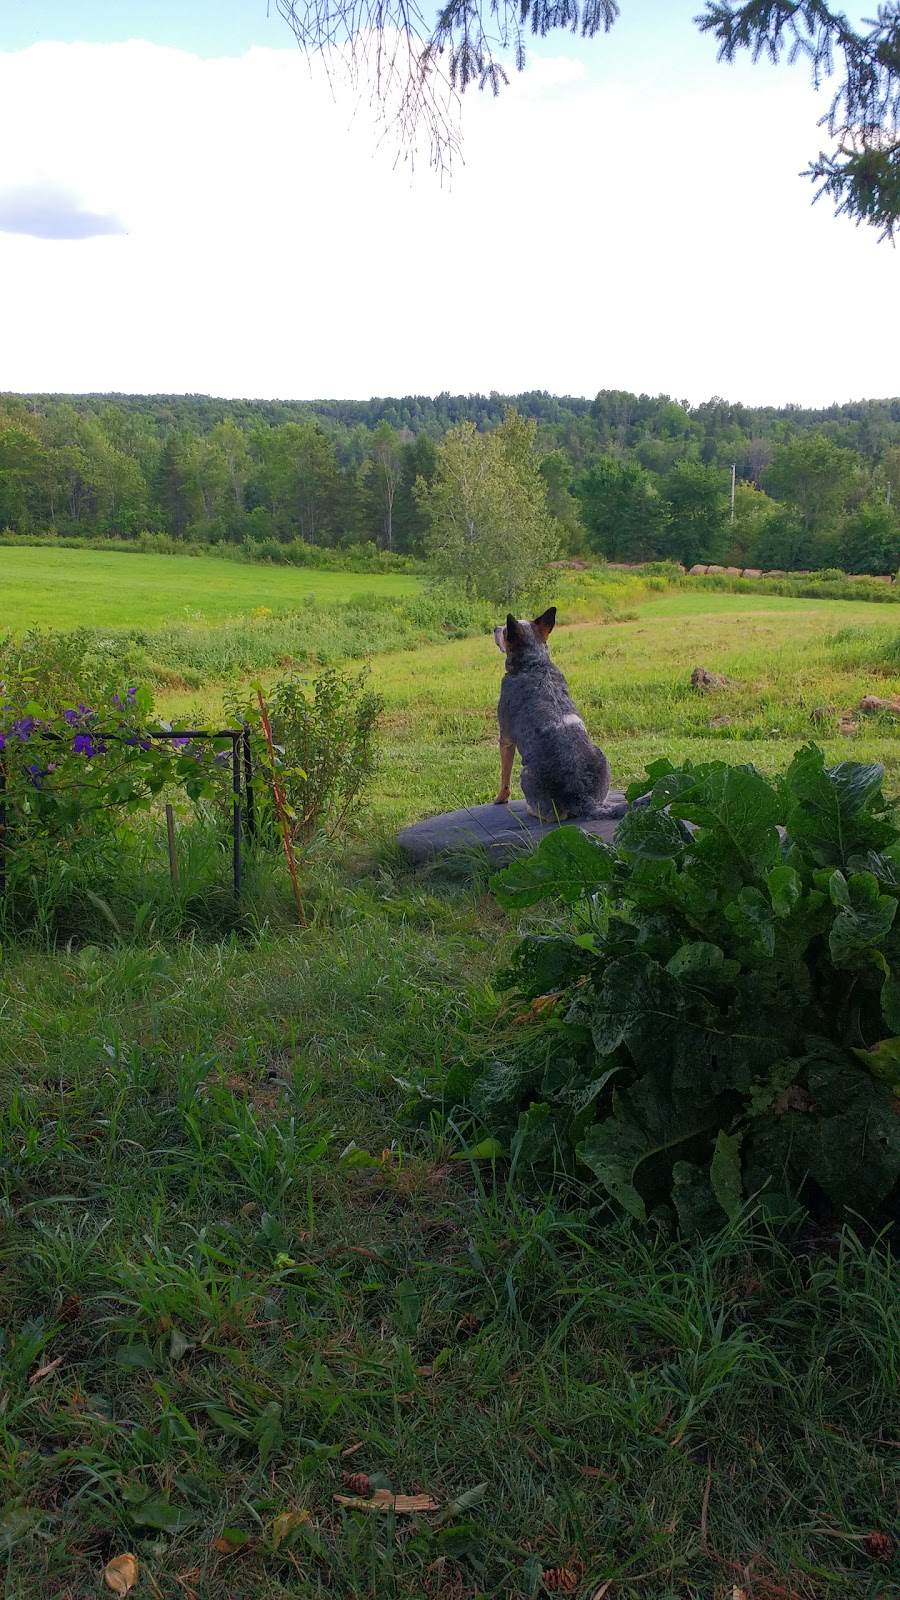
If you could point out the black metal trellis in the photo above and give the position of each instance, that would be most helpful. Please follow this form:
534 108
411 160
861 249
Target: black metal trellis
243 816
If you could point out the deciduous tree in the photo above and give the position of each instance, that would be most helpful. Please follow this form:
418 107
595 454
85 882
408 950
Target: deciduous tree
490 529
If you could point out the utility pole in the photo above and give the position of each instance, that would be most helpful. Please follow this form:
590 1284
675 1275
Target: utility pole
733 479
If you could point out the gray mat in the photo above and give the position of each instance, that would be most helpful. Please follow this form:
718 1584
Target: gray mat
503 831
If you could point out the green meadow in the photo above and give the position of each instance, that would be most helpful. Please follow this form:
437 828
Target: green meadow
785 660
252 1275
74 588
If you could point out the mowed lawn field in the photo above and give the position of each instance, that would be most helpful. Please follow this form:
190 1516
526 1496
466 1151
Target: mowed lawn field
74 588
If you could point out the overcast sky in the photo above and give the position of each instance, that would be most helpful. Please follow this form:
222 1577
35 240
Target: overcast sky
186 207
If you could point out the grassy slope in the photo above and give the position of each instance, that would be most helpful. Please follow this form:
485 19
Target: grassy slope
234 1303
67 588
631 680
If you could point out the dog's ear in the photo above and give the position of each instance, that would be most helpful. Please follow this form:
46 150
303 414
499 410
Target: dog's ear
512 629
545 623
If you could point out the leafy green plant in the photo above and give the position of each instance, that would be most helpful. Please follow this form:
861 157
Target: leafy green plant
726 1006
324 740
77 764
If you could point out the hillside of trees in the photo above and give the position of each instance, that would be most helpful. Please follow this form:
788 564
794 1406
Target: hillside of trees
631 477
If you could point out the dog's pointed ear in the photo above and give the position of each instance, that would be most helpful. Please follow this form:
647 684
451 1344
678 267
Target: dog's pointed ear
545 623
512 628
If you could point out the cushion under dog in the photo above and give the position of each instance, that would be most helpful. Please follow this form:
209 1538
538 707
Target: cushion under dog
503 831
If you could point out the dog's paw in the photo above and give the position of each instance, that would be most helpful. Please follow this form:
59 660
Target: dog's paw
502 798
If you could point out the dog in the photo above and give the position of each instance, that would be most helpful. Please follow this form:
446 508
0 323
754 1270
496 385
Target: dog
563 772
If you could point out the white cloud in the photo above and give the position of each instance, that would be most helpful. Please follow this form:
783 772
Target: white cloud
48 210
597 235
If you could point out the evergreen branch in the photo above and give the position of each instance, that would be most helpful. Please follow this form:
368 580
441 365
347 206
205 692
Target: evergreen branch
862 175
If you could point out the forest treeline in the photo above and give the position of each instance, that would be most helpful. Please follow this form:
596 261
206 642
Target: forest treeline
631 477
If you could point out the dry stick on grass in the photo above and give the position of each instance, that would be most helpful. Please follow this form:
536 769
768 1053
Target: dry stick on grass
279 802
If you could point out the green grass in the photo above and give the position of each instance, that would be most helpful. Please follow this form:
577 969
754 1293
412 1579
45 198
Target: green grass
631 678
71 588
251 1247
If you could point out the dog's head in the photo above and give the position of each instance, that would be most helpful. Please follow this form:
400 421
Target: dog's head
519 638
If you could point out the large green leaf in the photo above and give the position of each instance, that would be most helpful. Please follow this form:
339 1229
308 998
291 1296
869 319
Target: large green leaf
864 917
646 1122
543 964
725 1173
655 770
653 835
700 962
637 1004
567 865
785 887
883 1059
829 809
694 1199
739 805
890 1001
854 1142
753 916
678 1034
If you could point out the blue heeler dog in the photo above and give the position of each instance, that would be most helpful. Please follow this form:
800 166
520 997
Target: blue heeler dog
563 772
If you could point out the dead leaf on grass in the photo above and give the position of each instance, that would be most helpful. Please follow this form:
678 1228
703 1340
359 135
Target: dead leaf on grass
468 1324
544 1002
44 1372
286 1523
121 1574
384 1500
231 1541
352 1449
603 1589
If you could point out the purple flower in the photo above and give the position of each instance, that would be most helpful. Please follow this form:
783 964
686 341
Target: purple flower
84 745
179 744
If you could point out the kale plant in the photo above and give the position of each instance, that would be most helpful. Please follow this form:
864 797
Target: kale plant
722 1018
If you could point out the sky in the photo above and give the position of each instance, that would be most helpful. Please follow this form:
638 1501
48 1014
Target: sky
187 205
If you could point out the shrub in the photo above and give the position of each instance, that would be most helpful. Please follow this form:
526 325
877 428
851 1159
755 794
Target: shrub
324 736
727 1004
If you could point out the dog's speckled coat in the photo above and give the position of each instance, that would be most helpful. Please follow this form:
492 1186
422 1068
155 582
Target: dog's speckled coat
563 772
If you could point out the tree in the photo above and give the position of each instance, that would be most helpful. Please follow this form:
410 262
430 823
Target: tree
696 500
621 509
418 69
170 485
889 470
298 478
870 539
556 471
230 442
22 459
382 476
410 522
490 529
814 476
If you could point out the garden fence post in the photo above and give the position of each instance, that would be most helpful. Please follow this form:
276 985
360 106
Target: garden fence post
236 793
2 830
248 783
